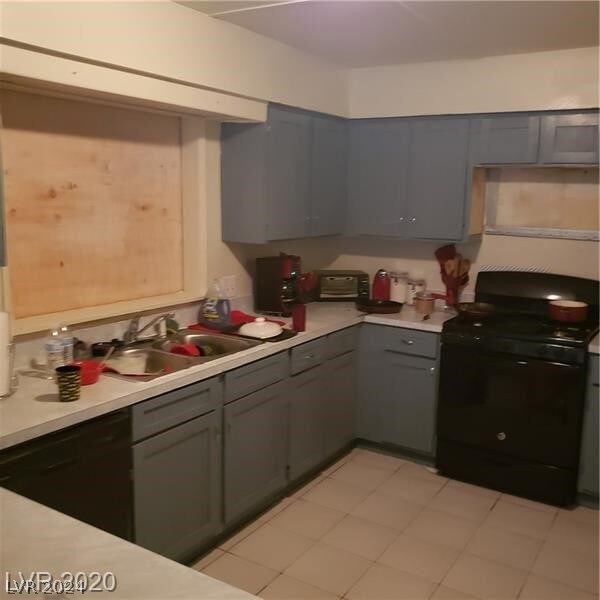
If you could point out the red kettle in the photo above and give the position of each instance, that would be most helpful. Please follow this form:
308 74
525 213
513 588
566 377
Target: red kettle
381 285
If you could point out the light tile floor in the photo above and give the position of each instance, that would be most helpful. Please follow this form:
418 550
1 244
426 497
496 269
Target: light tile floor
375 527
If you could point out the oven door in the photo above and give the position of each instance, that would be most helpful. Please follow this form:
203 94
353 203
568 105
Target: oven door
522 407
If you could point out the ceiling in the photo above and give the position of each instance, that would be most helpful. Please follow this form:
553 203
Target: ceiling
363 33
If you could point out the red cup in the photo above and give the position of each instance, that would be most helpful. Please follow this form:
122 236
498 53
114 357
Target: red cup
90 370
299 317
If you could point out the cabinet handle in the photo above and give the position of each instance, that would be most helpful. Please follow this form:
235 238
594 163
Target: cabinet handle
401 219
228 426
408 342
308 356
431 370
217 434
413 219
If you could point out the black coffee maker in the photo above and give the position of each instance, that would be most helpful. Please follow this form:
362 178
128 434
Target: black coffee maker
276 284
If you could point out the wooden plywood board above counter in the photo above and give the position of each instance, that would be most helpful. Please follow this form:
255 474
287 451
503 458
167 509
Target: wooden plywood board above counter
93 203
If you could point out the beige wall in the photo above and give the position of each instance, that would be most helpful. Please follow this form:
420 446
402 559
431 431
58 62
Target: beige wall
168 40
537 81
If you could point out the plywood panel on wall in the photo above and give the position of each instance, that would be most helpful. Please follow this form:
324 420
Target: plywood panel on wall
93 203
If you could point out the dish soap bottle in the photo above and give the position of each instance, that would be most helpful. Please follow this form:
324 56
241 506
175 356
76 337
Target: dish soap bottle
215 309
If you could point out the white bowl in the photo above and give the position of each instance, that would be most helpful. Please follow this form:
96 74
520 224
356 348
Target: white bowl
260 328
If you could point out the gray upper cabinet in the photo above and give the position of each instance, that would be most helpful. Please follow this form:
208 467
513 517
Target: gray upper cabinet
569 139
255 450
177 488
438 178
508 139
378 177
288 184
588 465
407 178
283 179
328 175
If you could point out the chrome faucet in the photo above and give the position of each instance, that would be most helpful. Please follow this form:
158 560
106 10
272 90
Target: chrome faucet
134 332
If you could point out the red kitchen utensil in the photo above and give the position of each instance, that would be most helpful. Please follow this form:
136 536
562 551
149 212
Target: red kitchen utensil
185 349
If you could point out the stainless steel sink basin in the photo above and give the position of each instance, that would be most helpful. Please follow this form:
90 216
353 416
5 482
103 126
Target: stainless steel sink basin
147 359
213 345
146 363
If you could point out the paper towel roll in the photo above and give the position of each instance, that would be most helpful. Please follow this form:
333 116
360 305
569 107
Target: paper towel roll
5 362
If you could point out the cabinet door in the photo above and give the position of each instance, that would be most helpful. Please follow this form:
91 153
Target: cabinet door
377 177
340 402
438 178
328 175
397 394
307 418
588 465
412 404
509 140
255 449
569 139
288 172
177 482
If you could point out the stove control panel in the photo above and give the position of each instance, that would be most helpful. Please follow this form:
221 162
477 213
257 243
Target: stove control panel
540 350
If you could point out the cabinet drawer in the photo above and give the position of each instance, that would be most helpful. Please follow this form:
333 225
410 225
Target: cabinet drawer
340 342
173 408
411 341
308 355
255 376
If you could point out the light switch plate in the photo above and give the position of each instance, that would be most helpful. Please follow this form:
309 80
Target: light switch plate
228 285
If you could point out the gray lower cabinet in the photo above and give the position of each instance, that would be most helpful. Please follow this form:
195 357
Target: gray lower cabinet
339 400
177 487
307 404
398 387
255 454
588 465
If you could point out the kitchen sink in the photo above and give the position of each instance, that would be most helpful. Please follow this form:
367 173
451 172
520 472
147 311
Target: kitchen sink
147 359
214 345
146 363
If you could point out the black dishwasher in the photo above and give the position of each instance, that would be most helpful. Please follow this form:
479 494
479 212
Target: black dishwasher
82 471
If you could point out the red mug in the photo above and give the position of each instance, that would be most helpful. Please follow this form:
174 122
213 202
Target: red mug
299 317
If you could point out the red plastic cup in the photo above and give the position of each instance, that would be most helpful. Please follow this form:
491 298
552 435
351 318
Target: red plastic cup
298 317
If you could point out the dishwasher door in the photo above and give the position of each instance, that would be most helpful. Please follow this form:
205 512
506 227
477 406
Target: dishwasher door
83 471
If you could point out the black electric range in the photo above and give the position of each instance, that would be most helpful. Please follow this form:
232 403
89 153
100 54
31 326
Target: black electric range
512 387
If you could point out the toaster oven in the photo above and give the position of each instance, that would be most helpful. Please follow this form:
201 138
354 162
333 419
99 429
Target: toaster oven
331 286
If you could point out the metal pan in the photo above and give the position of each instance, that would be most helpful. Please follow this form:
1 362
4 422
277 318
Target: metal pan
381 307
475 310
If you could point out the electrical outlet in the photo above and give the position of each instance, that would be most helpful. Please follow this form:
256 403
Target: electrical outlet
228 286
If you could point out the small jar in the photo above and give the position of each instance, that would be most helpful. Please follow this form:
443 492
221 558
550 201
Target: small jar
414 287
399 286
424 303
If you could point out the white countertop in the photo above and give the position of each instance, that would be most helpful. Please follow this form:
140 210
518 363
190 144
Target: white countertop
38 539
34 410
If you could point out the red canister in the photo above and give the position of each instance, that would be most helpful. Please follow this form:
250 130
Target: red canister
381 285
